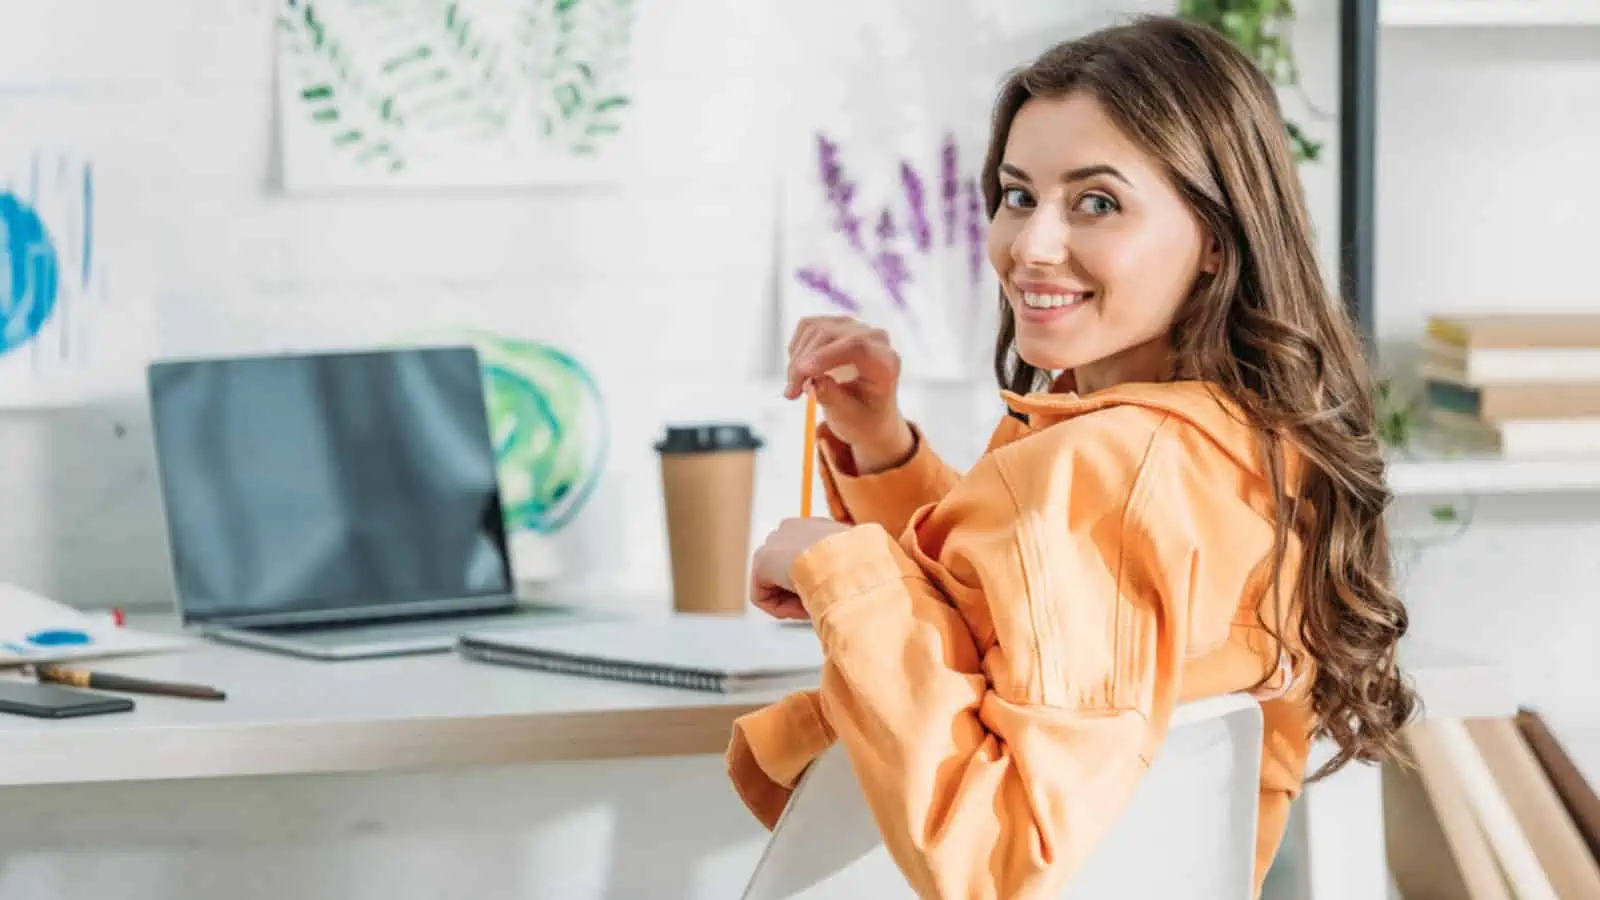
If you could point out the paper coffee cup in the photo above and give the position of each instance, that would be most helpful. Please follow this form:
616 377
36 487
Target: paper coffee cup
708 484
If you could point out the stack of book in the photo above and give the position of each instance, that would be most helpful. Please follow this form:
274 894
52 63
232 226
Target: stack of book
1493 809
1515 385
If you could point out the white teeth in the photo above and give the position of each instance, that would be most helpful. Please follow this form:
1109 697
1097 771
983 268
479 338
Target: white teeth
1051 301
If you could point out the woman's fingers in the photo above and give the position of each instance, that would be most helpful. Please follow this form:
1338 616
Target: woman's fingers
839 347
808 335
808 328
868 354
781 604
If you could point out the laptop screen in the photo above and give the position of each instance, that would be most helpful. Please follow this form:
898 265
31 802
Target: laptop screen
328 486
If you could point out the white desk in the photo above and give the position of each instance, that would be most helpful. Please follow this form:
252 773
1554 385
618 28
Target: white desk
286 716
409 778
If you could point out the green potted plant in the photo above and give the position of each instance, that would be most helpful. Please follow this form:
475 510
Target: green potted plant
1261 29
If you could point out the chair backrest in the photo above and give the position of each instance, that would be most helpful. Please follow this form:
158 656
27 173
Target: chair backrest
1197 804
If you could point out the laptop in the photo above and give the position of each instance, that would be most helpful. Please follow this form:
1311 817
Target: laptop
334 505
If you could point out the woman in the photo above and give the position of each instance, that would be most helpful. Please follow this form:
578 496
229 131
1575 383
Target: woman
1192 506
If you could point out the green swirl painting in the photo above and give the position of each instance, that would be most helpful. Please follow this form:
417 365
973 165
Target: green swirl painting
547 419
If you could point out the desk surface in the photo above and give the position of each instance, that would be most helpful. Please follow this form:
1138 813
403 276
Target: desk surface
285 715
288 715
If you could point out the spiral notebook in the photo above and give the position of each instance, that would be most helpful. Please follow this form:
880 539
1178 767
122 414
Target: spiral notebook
708 653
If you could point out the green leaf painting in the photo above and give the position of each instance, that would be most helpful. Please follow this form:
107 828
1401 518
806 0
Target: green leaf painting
450 91
548 423
579 51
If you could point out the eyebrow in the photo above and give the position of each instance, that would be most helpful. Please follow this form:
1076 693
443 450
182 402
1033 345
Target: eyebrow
1078 174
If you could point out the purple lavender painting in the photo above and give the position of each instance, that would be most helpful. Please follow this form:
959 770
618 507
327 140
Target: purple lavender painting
896 240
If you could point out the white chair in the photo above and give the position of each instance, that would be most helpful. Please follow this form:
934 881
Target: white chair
1197 804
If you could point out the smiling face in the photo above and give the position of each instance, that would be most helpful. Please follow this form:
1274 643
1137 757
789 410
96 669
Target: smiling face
1094 247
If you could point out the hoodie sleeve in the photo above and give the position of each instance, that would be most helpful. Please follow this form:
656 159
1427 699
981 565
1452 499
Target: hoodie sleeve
771 747
1002 678
889 498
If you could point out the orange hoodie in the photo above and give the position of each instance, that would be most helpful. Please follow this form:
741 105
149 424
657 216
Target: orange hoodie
1003 672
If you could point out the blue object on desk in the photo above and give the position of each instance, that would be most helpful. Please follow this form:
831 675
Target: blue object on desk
60 637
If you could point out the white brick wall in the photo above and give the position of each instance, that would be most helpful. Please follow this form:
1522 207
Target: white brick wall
662 283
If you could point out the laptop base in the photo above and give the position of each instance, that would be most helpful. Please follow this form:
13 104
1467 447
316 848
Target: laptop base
434 634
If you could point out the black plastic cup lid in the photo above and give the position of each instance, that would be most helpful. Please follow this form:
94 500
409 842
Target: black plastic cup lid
708 438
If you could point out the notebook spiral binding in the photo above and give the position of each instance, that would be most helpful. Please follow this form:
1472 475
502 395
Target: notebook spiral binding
573 665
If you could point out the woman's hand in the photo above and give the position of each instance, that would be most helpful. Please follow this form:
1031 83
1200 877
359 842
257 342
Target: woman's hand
771 586
865 411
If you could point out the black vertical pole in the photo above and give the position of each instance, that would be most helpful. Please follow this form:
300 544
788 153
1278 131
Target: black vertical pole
1358 125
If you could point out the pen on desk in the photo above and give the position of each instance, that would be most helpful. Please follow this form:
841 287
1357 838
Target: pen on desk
106 681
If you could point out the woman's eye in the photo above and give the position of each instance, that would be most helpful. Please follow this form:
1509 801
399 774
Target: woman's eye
1015 198
1097 204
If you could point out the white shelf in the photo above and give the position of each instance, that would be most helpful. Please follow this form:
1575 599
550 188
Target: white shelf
1493 475
1488 13
1456 685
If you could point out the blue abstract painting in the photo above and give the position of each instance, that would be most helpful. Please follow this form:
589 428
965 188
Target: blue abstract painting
51 288
29 276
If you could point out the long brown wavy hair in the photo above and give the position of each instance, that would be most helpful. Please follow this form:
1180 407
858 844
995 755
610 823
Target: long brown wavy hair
1265 330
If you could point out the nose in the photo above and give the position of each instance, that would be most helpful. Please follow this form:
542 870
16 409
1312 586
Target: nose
1042 240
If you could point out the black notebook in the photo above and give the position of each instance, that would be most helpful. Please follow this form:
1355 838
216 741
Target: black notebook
704 652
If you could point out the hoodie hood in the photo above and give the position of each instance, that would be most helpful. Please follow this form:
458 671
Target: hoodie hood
1201 404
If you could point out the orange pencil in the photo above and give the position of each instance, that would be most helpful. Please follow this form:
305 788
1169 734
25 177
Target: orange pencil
807 467
841 375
